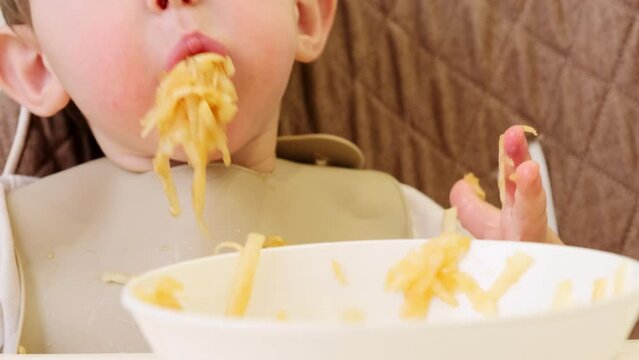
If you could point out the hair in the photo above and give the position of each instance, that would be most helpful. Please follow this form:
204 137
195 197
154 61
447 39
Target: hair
16 12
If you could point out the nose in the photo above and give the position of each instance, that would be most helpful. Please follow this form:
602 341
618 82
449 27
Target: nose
160 5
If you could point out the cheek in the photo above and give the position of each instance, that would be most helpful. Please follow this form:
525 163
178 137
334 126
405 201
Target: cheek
111 77
264 51
106 74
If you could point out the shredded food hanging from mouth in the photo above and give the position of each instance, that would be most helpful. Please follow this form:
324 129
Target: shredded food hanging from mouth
194 104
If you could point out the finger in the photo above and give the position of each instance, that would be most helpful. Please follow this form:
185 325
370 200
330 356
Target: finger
516 145
516 151
530 221
477 216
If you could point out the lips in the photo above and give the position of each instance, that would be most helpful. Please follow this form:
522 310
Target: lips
193 44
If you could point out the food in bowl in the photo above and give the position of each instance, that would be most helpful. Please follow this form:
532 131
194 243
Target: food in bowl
298 285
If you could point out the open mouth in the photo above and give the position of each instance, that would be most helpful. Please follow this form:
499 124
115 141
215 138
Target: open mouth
193 44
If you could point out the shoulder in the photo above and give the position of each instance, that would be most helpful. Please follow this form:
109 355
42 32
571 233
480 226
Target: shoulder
426 215
11 297
418 200
12 182
423 213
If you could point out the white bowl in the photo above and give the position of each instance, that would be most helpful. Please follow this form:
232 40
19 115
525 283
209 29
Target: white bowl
300 281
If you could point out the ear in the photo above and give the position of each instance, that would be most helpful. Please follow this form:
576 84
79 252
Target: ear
25 75
314 21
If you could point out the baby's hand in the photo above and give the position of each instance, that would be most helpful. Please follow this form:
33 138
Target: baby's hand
523 213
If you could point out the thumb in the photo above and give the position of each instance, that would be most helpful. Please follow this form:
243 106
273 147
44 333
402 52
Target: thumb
477 216
529 213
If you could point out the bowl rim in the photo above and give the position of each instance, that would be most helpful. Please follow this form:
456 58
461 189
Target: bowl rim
138 307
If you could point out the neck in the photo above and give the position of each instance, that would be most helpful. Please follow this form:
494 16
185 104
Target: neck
259 153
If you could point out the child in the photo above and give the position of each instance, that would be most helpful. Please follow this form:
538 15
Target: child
108 58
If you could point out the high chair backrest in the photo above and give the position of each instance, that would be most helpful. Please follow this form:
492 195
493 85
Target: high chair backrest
426 87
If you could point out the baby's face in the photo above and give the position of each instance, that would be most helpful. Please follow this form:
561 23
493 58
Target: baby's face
111 54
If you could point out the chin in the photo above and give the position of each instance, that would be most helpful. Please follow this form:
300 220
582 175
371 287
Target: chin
133 163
